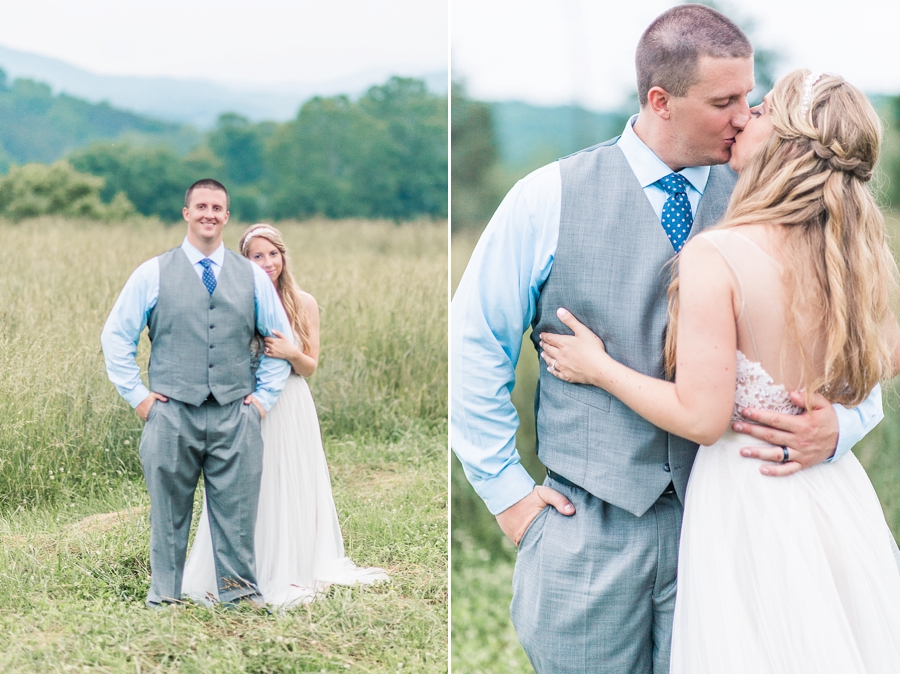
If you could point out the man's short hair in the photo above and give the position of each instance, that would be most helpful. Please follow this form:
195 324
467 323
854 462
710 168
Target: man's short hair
668 51
209 184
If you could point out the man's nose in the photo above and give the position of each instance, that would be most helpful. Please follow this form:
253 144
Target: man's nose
741 116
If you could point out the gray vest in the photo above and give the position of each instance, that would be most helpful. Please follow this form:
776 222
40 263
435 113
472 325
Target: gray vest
610 270
201 342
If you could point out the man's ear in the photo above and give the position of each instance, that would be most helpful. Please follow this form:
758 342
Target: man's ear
658 100
184 212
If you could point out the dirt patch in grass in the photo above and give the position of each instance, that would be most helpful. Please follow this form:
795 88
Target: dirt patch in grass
104 522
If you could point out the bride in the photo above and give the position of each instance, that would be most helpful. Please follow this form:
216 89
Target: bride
298 542
791 291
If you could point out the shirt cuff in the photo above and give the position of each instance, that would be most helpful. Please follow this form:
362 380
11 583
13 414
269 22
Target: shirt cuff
851 430
505 489
137 395
266 399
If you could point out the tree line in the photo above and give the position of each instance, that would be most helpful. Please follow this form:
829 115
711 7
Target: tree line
383 155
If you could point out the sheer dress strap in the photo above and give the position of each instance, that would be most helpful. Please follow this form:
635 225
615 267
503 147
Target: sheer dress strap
715 237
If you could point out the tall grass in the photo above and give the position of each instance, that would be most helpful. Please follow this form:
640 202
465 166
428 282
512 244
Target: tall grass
74 531
483 640
63 427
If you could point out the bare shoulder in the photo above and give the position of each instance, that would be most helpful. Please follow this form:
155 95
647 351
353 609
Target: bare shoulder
309 304
697 250
702 264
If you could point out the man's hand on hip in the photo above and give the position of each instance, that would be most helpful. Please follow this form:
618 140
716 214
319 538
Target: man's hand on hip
143 410
810 438
252 399
516 519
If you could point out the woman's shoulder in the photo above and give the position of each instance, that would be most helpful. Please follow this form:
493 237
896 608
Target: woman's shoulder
309 308
761 234
307 301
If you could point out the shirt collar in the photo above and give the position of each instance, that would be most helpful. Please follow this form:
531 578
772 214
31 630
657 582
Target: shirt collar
648 168
194 255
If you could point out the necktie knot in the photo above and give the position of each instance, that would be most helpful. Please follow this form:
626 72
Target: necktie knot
674 183
205 263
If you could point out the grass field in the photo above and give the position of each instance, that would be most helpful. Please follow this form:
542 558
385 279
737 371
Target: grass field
482 638
74 530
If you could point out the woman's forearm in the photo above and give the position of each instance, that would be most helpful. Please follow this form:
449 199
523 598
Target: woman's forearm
660 403
303 364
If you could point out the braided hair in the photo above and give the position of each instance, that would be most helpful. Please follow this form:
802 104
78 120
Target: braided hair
810 177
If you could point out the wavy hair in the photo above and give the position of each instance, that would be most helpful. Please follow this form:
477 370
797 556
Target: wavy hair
288 290
810 178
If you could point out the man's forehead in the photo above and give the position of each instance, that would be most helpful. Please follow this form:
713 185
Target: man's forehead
203 195
720 78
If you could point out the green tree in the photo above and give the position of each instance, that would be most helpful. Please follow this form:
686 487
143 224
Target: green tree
889 164
153 178
382 156
403 171
239 144
311 160
474 154
36 189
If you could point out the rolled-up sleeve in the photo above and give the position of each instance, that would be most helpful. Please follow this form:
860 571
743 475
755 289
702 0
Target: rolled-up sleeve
122 331
855 423
492 308
272 373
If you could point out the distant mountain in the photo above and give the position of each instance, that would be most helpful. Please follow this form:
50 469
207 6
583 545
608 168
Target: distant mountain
530 135
39 126
196 102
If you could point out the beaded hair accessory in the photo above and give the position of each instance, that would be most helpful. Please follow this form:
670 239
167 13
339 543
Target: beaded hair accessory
259 231
811 79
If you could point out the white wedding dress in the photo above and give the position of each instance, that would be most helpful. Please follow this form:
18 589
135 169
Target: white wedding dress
298 542
788 575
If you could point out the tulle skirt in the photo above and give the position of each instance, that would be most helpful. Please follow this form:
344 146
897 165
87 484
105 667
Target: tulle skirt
298 542
784 575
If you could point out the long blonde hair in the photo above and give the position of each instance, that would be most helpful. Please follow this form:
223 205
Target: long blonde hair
288 290
810 177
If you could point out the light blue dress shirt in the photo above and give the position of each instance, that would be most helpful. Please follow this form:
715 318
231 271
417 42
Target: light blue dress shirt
495 303
131 312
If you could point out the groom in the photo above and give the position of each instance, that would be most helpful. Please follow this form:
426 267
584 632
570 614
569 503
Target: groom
203 305
594 584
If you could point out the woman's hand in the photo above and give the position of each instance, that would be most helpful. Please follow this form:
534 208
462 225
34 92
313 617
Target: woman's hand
574 358
280 346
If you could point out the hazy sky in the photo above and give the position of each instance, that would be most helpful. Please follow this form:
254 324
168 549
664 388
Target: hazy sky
262 41
564 51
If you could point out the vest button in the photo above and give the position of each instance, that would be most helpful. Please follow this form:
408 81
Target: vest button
211 327
666 467
212 346
210 366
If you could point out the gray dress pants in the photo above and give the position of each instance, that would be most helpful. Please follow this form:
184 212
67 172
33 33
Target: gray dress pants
223 442
595 592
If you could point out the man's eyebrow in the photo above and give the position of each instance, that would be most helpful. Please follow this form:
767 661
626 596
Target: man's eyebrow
724 97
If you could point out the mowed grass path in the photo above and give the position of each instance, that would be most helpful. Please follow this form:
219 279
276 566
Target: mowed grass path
74 530
483 640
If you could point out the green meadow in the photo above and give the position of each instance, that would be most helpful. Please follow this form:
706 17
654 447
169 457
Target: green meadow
482 637
74 528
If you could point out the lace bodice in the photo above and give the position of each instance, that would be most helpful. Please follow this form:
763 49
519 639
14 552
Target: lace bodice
756 388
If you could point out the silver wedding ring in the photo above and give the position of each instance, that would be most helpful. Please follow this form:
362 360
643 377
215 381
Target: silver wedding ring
552 367
786 458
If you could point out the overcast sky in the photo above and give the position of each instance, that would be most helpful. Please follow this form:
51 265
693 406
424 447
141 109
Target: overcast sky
263 41
562 51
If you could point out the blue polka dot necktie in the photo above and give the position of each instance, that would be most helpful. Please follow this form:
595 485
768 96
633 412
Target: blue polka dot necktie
208 278
677 218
